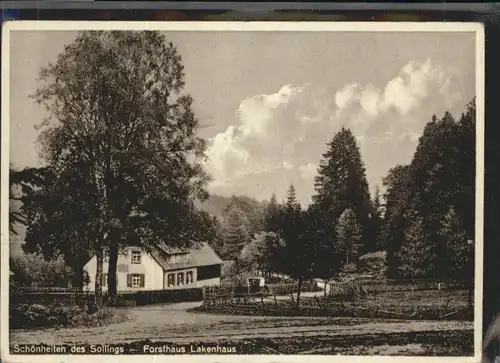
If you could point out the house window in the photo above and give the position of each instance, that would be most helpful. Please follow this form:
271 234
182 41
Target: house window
180 278
189 277
170 280
135 280
136 256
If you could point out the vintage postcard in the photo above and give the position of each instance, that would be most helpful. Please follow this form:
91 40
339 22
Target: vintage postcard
209 191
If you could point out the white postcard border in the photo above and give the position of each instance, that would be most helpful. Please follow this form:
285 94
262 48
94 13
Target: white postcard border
10 26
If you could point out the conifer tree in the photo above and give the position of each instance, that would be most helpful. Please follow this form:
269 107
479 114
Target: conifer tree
341 184
272 215
349 236
417 253
235 234
291 201
298 254
458 252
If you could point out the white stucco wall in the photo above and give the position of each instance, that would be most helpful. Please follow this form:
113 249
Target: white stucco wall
153 272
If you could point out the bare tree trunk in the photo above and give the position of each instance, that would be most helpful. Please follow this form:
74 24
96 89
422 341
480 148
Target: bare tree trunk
324 290
98 278
112 288
299 287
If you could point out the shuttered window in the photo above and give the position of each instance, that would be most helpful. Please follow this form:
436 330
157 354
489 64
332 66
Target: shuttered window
136 280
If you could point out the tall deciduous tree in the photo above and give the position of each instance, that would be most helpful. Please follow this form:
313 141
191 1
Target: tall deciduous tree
342 184
61 214
118 111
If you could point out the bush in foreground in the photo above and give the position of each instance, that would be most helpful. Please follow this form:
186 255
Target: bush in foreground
42 316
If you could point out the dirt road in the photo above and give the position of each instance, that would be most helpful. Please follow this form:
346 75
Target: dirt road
174 323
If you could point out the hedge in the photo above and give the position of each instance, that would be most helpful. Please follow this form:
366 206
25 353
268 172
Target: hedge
123 299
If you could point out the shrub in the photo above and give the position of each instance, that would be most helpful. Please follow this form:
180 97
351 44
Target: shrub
40 316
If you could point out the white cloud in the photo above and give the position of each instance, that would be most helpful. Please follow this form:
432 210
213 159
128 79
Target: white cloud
279 138
370 100
287 165
347 95
407 90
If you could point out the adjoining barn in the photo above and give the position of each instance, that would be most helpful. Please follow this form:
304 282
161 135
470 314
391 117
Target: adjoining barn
160 269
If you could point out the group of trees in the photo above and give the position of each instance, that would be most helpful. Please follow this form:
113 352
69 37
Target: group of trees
428 227
328 236
426 224
121 153
122 166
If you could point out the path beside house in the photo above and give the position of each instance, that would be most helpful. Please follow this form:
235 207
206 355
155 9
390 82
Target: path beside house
174 323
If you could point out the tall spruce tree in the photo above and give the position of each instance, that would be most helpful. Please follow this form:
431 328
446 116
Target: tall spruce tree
342 184
416 252
291 200
460 260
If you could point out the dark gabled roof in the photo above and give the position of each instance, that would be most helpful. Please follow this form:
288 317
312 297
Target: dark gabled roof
200 254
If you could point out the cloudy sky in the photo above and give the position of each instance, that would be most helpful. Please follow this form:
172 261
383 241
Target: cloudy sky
269 102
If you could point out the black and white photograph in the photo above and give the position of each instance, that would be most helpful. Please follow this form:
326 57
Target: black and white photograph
263 190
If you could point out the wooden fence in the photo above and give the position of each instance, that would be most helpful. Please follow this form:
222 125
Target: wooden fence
223 295
221 301
378 286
